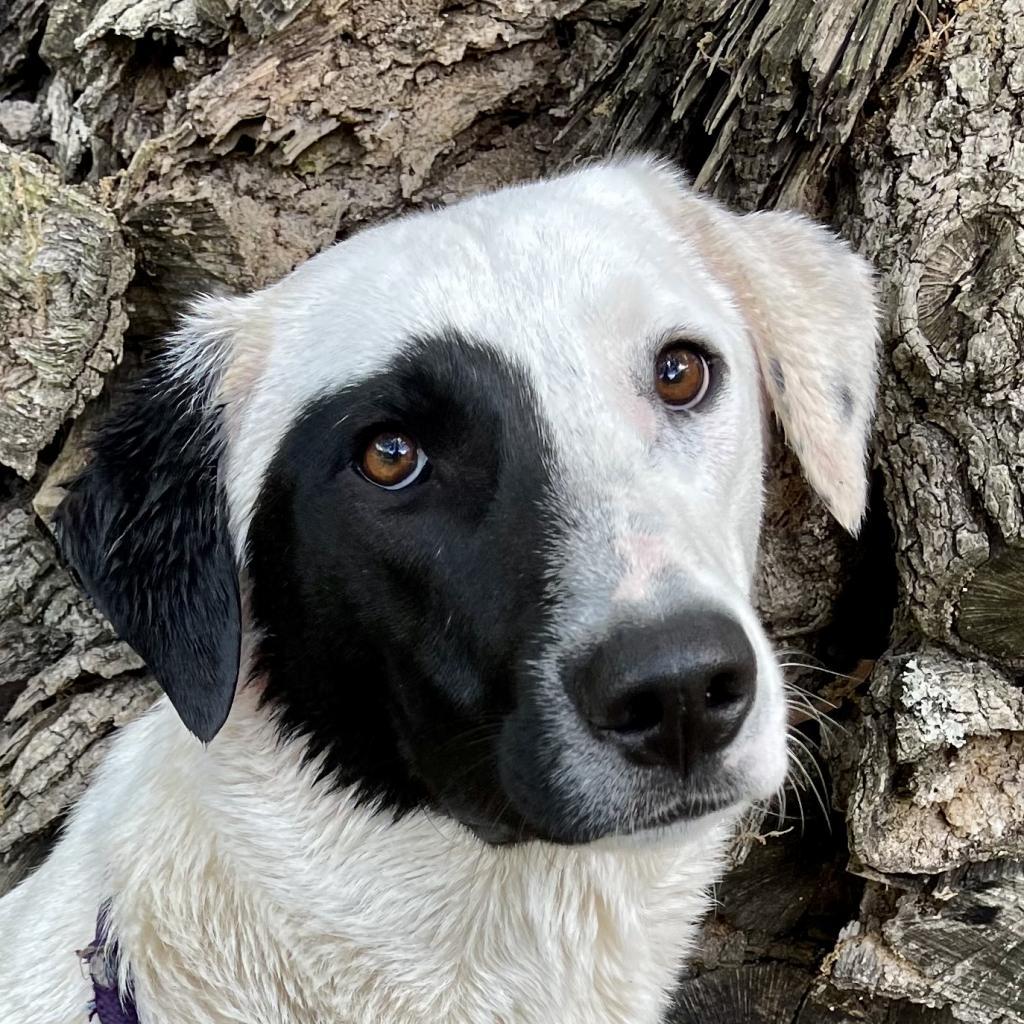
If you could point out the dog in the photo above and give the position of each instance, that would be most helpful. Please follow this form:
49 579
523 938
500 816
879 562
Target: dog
442 549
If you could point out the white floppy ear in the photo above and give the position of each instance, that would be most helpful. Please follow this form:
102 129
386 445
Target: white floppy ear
810 304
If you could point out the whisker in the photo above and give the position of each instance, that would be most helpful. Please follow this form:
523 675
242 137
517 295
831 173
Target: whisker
809 695
819 668
803 701
447 840
811 784
800 805
800 704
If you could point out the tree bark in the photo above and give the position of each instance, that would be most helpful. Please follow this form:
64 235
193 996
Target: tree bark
153 149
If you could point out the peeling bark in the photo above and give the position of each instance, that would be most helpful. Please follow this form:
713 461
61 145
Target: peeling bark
940 777
936 946
757 101
938 204
65 681
62 315
248 145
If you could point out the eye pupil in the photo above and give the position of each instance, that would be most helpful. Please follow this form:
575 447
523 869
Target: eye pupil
681 375
392 448
672 369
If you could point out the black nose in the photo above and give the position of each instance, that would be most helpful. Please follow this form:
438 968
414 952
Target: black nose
671 693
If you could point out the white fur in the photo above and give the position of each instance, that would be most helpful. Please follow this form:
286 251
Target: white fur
247 891
244 890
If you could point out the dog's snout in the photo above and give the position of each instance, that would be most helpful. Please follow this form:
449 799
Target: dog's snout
671 693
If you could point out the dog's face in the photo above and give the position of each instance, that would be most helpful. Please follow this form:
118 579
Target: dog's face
491 480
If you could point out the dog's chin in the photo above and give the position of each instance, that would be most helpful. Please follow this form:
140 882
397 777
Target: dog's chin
678 831
678 821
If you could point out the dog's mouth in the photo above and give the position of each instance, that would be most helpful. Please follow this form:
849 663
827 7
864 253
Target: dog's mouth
692 806
642 733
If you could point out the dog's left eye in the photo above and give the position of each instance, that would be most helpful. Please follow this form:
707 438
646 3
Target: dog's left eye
681 375
392 460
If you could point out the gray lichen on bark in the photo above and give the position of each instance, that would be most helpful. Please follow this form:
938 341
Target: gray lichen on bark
940 778
938 204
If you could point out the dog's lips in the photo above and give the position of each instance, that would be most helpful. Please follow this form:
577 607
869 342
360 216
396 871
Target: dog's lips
708 790
501 833
655 798
693 808
687 809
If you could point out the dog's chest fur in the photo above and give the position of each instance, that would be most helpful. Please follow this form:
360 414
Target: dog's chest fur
243 890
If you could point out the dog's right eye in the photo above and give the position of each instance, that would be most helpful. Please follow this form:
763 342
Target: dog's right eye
392 460
681 375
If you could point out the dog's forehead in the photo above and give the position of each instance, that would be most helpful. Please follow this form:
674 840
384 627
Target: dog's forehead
574 280
548 274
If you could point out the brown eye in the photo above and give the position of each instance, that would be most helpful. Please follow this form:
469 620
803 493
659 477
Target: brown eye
392 460
681 375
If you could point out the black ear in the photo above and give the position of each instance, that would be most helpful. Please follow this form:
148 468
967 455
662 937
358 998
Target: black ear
144 526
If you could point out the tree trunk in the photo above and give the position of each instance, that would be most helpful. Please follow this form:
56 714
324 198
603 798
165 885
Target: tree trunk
151 149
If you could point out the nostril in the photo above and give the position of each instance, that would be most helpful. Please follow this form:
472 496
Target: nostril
635 713
725 690
669 693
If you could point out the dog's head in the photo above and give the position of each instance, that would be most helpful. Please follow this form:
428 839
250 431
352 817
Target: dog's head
481 488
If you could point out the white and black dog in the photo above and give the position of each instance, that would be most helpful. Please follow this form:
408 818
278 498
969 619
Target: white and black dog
442 549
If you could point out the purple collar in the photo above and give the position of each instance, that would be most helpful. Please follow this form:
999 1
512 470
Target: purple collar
108 1005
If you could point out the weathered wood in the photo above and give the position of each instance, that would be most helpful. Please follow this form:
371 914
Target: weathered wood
827 1005
20 22
256 133
62 312
62 318
940 771
757 100
65 680
782 994
937 200
958 943
759 994
990 609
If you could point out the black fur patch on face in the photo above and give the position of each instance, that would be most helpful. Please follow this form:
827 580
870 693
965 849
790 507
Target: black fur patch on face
398 624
